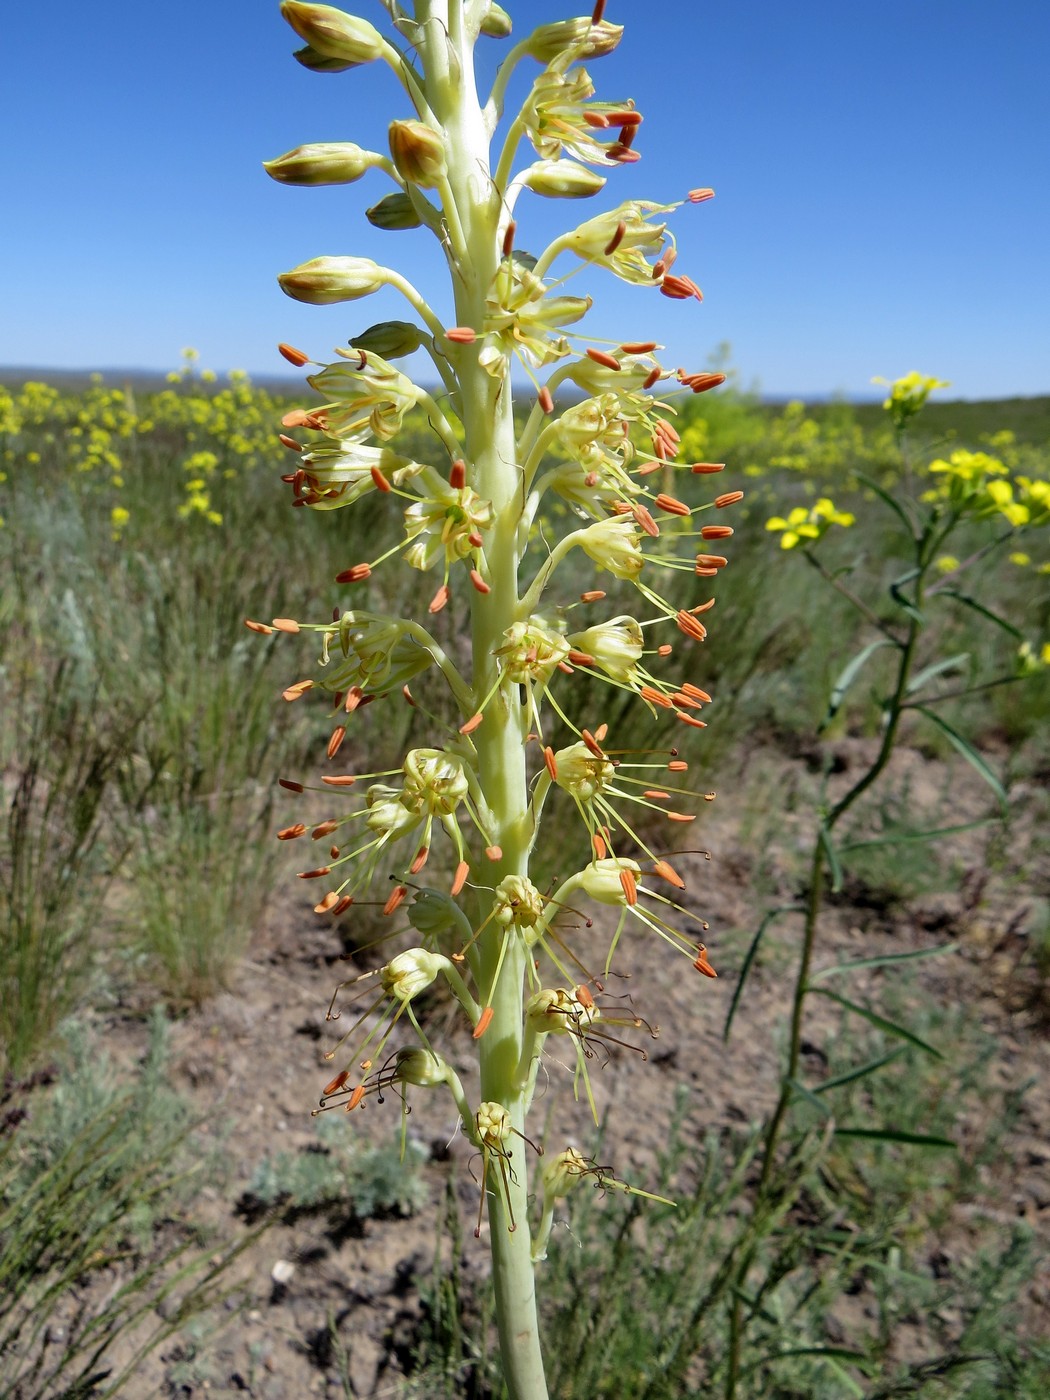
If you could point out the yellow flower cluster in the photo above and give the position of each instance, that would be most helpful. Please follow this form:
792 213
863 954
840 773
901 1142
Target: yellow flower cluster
805 527
908 395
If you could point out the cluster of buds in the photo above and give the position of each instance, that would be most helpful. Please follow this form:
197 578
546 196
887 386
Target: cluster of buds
476 508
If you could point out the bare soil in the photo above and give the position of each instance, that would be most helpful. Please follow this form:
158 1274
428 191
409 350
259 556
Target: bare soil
251 1063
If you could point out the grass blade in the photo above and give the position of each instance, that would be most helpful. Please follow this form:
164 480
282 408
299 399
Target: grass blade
961 745
883 960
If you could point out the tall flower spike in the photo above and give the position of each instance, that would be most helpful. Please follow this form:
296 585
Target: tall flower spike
597 441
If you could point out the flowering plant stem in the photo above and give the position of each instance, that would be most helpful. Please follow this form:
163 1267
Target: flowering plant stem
495 937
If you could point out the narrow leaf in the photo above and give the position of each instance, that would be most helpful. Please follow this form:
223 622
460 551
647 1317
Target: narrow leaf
890 1027
849 675
897 1135
883 960
901 838
898 597
889 500
749 958
970 602
810 1098
860 1072
833 858
961 745
937 668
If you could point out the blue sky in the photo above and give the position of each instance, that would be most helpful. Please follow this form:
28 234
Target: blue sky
882 177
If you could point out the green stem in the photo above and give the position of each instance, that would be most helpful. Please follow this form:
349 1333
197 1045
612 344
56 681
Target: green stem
895 709
488 434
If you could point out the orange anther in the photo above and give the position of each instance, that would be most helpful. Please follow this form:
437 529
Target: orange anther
323 830
420 860
677 765
600 848
638 347
652 377
293 356
707 468
343 905
471 723
545 400
656 795
669 874
478 582
315 874
461 335
728 498
583 996
699 196
681 816
355 1098
380 480
291 785
701 964
336 1084
688 719
594 595
357 573
396 899
439 599
716 532
672 505
291 833
494 852
629 886
646 521
338 735
602 357
457 474
259 627
549 760
290 443
462 871
285 624
601 732
484 1021
592 743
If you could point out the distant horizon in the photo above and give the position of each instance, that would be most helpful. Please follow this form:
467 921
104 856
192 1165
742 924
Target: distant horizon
276 381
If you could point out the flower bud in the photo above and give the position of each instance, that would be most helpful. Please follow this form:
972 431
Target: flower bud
418 152
317 63
613 545
562 179
420 1067
394 211
322 163
581 772
563 1171
332 33
410 973
322 281
390 339
601 879
554 1011
432 913
585 39
496 23
517 901
616 647
493 1124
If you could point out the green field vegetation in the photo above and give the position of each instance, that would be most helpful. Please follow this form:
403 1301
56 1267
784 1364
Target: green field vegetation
141 733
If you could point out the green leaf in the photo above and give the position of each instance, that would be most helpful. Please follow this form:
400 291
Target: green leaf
810 1098
882 960
897 1135
889 500
860 1072
973 758
970 602
749 958
937 668
898 597
890 1027
849 675
902 837
833 858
